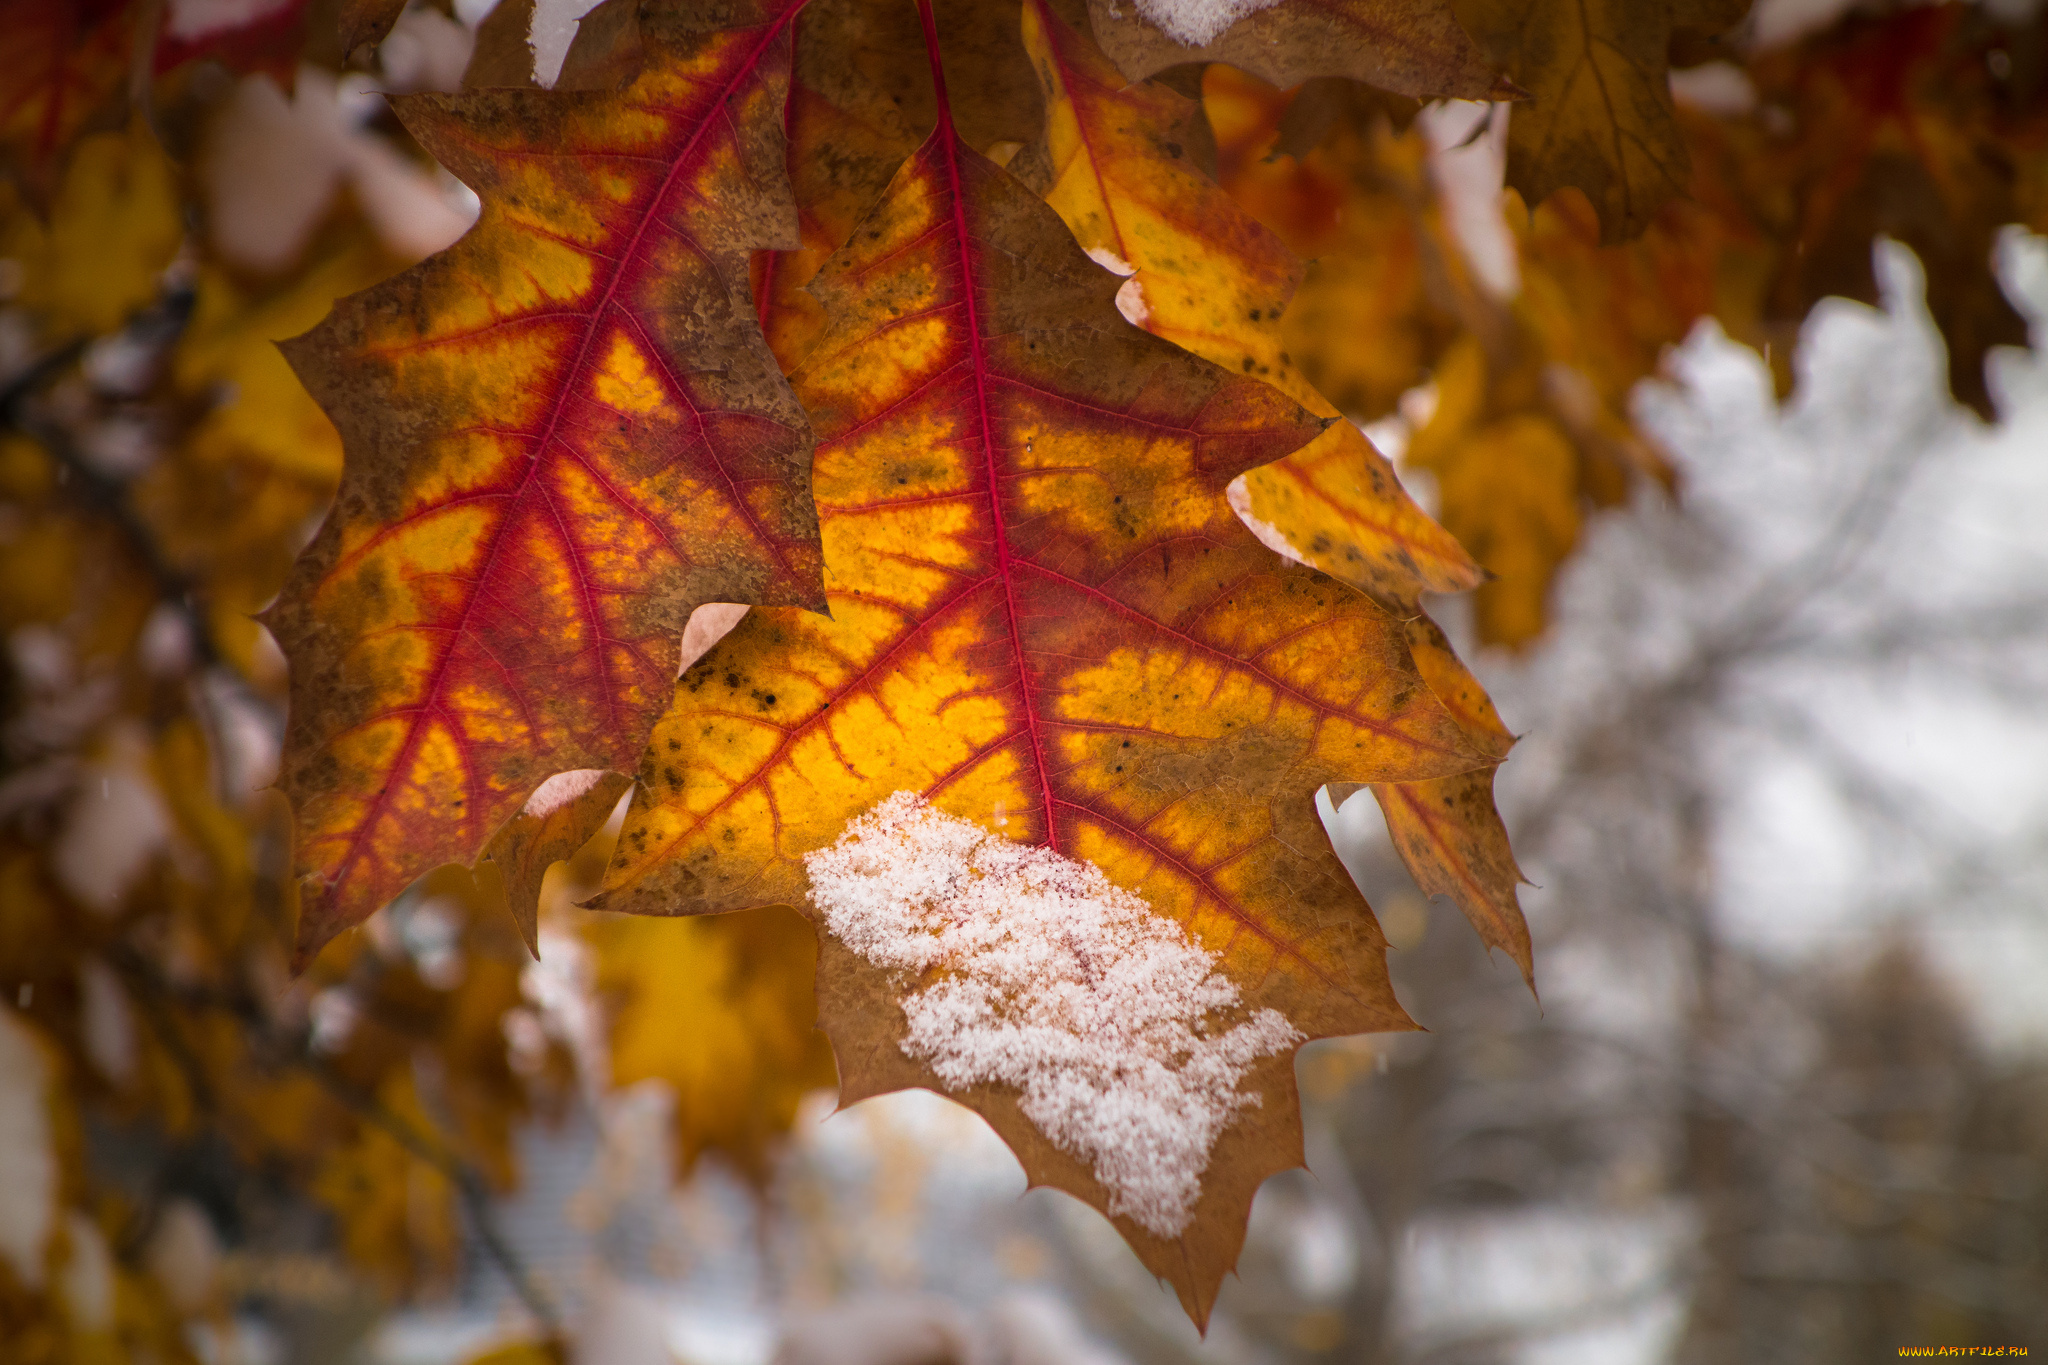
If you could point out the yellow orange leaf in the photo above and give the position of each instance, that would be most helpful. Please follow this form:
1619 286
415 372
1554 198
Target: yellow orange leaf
1446 829
1207 277
859 103
548 1352
227 356
113 225
563 434
396 1212
1453 842
1510 493
1047 620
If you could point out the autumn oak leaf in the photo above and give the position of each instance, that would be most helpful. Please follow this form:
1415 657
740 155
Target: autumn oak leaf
1046 619
561 435
1209 278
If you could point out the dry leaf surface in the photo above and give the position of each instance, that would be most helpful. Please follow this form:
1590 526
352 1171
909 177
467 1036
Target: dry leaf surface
563 434
1045 618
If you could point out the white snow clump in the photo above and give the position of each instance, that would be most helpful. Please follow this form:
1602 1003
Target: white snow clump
1192 23
1055 981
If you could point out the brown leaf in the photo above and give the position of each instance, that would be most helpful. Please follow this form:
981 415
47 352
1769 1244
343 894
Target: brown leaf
502 59
559 818
608 50
1410 47
1599 115
1898 128
366 23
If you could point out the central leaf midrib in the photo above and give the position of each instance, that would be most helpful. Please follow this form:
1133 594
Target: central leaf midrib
1005 572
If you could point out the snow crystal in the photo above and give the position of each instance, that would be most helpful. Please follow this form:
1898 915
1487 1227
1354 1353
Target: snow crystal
1055 981
1239 496
1192 23
559 790
1130 301
1110 261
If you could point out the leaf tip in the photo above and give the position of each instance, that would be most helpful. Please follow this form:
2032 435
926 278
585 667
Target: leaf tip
1504 90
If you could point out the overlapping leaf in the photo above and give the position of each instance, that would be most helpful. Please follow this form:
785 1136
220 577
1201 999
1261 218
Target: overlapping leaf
1214 281
1446 829
556 821
1207 278
563 434
1411 47
1527 390
1599 116
859 103
1046 619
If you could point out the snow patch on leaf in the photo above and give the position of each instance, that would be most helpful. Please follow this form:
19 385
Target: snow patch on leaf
1194 23
1047 977
1110 261
1130 301
1239 496
559 790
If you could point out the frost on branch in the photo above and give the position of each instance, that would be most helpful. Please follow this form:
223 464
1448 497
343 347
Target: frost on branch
1045 976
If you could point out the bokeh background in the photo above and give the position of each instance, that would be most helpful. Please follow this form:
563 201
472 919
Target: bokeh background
1782 796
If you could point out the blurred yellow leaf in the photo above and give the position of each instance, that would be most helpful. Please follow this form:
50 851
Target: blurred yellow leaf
228 357
1509 486
396 1212
550 1352
722 1009
114 225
